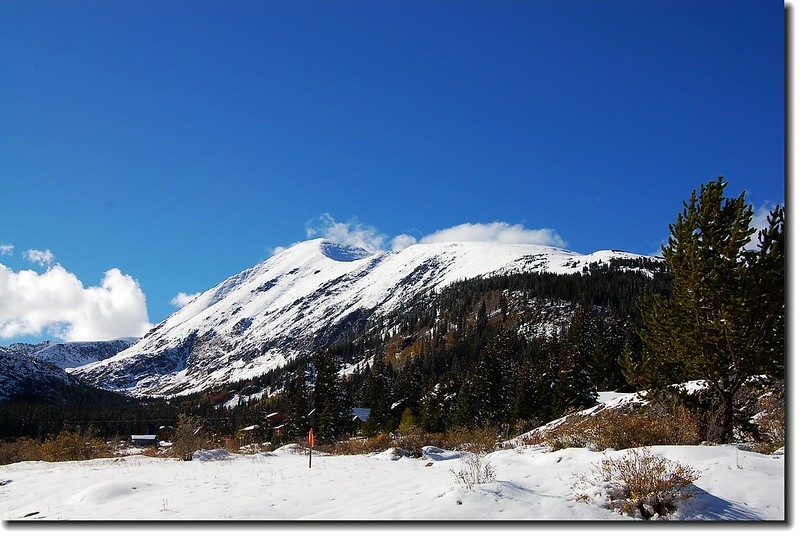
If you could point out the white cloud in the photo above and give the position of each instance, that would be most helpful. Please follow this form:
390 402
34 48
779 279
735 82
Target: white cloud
402 241
6 249
497 232
56 302
41 257
183 299
369 238
352 233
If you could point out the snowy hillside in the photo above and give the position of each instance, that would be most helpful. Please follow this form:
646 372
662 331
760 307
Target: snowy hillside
36 369
306 295
529 484
74 354
21 374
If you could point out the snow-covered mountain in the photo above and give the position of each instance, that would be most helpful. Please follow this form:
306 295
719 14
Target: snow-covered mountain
72 354
38 369
302 297
21 375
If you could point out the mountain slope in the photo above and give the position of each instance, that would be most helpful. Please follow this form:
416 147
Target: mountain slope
22 375
37 370
305 296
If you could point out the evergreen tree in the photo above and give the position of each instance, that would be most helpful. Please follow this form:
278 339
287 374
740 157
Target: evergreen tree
525 393
377 395
768 299
297 403
723 321
469 405
438 406
409 384
333 410
573 387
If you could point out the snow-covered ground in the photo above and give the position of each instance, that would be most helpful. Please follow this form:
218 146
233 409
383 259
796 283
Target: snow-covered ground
530 484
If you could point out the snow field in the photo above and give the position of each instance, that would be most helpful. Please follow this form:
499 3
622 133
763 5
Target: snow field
531 484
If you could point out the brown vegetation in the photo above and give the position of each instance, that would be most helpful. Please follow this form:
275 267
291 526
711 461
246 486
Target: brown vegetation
641 484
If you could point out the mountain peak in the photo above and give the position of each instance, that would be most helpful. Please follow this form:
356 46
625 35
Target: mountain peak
342 252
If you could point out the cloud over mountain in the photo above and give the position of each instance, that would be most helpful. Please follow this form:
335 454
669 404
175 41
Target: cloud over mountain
352 233
497 232
357 234
183 298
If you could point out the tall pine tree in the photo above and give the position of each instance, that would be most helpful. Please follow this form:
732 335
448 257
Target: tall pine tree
333 410
723 321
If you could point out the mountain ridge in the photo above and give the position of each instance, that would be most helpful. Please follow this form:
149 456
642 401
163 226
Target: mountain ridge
302 297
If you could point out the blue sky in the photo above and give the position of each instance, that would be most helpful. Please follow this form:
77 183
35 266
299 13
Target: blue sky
151 148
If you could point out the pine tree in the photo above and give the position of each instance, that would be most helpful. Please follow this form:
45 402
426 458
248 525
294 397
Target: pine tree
723 320
298 403
333 410
438 406
768 297
573 387
525 393
377 395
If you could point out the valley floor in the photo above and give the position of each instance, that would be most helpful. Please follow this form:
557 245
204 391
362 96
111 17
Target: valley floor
530 484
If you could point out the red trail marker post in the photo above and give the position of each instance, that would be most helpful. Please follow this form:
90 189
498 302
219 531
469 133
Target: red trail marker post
311 439
310 445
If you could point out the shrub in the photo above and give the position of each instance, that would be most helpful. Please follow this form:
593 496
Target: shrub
24 449
411 440
770 421
359 445
190 436
642 484
68 446
474 471
621 429
572 432
471 439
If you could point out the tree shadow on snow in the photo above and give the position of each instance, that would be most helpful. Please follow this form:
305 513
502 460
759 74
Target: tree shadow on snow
705 506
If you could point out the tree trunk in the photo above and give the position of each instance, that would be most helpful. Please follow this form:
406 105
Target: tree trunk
726 417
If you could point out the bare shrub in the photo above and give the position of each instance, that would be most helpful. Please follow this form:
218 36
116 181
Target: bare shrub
771 422
24 449
379 443
639 429
190 436
474 471
641 484
623 429
471 439
68 446
573 432
360 445
411 440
